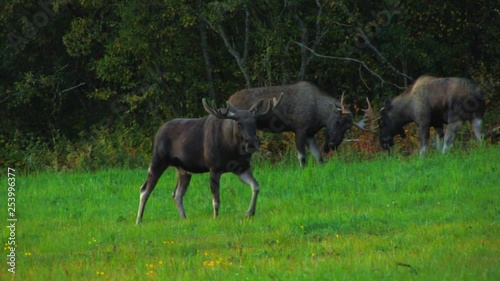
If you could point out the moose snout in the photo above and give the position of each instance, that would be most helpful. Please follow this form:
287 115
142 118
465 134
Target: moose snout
252 147
249 146
333 145
386 142
335 142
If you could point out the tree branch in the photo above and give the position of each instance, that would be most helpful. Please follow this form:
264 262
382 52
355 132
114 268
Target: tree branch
362 63
240 59
206 57
370 45
305 60
71 88
303 53
247 33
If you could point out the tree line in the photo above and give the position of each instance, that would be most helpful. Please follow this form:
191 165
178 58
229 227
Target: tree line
84 79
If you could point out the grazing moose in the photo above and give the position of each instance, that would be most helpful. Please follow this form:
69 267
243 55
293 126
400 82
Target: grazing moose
432 102
304 110
221 142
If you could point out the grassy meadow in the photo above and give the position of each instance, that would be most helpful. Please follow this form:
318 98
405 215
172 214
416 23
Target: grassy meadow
387 218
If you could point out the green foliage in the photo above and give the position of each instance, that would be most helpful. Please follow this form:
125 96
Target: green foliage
384 219
71 66
79 41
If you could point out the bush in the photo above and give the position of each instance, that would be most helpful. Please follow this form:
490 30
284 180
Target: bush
101 148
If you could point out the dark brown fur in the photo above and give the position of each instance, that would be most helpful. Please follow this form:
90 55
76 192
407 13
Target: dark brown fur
304 110
214 144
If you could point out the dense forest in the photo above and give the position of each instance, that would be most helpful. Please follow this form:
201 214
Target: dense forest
86 83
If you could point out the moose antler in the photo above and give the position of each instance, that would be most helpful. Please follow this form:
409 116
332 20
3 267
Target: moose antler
370 118
272 104
342 107
370 113
230 112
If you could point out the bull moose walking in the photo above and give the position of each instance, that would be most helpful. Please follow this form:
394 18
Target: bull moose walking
221 142
304 110
432 102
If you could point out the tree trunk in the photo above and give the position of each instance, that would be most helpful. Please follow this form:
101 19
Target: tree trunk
206 59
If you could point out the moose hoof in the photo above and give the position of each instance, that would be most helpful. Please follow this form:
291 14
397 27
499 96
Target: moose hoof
249 214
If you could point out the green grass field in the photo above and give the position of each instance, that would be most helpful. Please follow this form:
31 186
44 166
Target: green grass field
397 218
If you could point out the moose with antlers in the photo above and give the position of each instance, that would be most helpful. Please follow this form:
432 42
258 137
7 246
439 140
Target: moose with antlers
221 142
304 110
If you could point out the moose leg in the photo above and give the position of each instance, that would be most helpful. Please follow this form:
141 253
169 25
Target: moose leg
300 143
439 137
476 125
449 136
156 168
215 187
247 177
423 133
183 179
311 143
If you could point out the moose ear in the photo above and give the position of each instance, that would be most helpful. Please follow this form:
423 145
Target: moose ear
231 112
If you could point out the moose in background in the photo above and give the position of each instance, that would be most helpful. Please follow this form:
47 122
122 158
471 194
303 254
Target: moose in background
304 110
432 102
